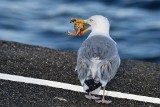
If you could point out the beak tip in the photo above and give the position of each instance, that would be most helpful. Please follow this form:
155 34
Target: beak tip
85 21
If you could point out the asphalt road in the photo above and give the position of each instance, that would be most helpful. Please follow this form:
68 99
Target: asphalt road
134 77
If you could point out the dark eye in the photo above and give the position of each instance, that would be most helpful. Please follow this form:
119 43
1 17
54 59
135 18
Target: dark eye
91 20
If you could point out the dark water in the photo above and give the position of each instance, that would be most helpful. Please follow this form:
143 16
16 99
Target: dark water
135 24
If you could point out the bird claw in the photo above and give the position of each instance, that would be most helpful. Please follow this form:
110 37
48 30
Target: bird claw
70 34
73 20
92 97
103 101
79 26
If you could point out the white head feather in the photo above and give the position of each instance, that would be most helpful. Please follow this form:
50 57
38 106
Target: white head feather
98 25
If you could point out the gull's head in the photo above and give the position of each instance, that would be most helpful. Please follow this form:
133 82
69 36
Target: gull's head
98 24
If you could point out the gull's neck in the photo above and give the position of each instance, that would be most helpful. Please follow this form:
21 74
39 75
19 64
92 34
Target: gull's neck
100 29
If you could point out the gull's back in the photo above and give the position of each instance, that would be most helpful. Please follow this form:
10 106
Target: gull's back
101 47
98 59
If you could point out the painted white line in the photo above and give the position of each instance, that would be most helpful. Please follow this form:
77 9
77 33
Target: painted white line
76 88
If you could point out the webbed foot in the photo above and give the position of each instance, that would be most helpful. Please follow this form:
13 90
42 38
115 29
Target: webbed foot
92 97
103 101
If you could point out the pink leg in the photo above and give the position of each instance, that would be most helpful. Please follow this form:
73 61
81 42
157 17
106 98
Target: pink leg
103 99
91 97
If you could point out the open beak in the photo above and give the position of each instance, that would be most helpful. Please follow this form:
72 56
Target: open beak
85 21
89 26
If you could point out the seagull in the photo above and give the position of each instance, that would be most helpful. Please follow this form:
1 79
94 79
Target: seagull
98 59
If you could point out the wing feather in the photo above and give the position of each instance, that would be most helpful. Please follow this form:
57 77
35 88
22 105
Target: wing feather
105 50
107 70
83 70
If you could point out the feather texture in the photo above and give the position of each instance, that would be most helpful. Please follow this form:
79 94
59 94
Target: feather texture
98 60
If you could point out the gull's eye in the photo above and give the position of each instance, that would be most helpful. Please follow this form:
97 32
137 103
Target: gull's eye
91 20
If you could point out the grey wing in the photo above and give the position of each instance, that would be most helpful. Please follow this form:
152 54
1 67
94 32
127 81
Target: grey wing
103 48
83 69
107 69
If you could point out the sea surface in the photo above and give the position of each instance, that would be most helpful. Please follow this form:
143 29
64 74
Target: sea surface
135 24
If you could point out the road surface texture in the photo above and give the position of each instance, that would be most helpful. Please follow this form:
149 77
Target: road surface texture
134 77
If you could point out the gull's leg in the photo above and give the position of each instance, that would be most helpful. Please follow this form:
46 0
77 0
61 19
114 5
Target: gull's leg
88 96
91 97
103 99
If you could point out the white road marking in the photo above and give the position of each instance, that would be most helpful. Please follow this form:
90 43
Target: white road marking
76 88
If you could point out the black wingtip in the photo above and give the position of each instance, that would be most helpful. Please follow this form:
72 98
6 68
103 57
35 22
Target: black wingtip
92 85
